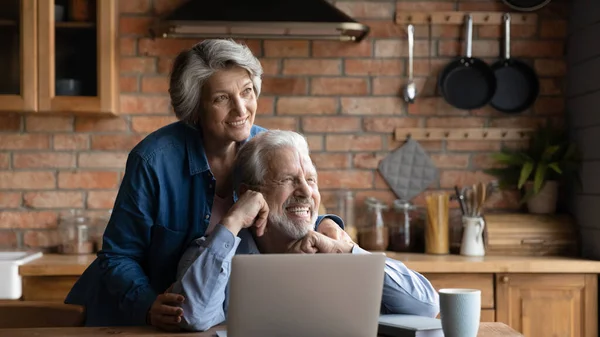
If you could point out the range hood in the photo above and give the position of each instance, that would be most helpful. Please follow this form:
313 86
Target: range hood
260 19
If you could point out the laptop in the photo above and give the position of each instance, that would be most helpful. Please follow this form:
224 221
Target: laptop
300 295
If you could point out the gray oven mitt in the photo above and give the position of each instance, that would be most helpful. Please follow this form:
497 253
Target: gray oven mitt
408 170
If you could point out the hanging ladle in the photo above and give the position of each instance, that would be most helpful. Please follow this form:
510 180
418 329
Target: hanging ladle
410 91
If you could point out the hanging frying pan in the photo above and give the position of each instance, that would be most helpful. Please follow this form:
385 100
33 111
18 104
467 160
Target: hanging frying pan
526 5
468 82
517 84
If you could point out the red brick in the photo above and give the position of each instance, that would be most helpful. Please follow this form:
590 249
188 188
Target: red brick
155 84
134 25
426 87
43 160
367 10
102 160
24 141
53 199
342 49
449 178
286 48
4 160
266 105
345 179
386 196
399 48
367 160
532 48
128 84
306 106
546 67
433 106
172 47
443 160
101 199
115 142
27 180
380 182
551 86
165 64
346 143
277 123
504 199
388 124
331 124
372 106
44 219
134 6
455 122
482 6
284 85
8 239
87 179
372 67
330 160
71 142
137 65
311 67
166 6
315 142
48 124
41 239
127 46
132 104
384 28
517 122
91 124
339 86
483 161
150 123
10 199
481 48
472 145
271 66
553 29
554 106
403 6
430 68
496 32
428 145
10 122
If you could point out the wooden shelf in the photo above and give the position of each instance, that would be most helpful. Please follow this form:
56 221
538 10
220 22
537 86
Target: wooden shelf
86 25
458 18
476 134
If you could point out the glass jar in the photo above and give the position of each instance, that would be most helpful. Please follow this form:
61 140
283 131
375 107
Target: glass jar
346 209
374 236
97 233
75 234
402 233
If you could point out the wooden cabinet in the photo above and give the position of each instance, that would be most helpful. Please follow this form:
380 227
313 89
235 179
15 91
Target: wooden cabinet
61 57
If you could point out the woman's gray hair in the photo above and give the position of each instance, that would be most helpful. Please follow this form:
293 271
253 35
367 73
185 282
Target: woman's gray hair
193 67
251 160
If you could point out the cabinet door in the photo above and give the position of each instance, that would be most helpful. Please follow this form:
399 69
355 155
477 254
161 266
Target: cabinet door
77 47
18 67
542 305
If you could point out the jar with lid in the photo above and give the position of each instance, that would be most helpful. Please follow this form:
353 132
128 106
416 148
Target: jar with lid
97 233
346 209
404 230
75 234
374 236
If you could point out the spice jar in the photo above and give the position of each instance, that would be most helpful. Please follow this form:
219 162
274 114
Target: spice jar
346 211
374 237
74 231
402 233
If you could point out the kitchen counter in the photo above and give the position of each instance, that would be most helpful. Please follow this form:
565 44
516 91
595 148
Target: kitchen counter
485 330
56 265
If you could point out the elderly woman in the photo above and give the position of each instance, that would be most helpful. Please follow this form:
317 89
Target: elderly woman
177 184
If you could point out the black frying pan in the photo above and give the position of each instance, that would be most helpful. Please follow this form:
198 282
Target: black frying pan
517 83
467 83
526 5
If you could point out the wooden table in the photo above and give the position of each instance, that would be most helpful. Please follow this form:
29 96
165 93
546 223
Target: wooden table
485 330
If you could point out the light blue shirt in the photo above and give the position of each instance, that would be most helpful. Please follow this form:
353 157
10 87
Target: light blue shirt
204 269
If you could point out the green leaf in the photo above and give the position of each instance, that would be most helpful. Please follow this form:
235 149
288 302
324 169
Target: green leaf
508 158
550 150
539 178
555 167
525 173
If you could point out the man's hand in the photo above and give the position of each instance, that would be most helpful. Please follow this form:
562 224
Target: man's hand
315 242
331 229
250 209
165 313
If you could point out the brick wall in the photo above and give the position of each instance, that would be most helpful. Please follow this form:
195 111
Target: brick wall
344 97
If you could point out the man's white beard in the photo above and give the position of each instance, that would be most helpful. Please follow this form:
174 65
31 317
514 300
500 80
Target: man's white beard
287 227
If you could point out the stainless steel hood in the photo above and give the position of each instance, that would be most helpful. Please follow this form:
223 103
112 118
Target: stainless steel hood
260 19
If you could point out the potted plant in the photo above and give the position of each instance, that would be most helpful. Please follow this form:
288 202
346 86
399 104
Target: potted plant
537 169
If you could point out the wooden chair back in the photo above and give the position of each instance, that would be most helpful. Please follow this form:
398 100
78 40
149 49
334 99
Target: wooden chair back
33 314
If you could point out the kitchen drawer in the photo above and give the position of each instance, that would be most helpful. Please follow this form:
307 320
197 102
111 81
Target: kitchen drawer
483 282
47 288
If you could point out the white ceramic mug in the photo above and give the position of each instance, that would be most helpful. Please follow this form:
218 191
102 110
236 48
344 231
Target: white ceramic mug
460 311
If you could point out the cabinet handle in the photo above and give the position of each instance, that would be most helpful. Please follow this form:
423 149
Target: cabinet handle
504 279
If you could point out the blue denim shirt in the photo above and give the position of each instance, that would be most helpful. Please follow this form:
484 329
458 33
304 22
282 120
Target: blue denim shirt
164 202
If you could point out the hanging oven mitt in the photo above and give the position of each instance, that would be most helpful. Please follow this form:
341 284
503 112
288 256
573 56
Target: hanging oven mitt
408 170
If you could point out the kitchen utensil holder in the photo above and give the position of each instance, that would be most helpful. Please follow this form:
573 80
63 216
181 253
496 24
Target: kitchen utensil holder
477 134
458 18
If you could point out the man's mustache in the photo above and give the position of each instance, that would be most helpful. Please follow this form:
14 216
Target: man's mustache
301 201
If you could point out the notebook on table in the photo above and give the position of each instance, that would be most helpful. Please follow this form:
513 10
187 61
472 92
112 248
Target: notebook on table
409 326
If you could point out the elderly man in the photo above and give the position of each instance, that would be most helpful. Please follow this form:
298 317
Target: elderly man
277 213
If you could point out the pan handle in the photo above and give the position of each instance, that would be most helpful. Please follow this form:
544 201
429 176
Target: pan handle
469 25
506 36
411 46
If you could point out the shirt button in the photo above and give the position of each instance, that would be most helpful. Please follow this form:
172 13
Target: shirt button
226 245
207 217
